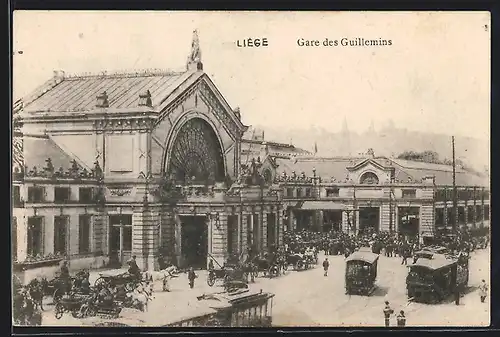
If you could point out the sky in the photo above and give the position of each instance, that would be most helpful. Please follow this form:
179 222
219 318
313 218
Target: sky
434 77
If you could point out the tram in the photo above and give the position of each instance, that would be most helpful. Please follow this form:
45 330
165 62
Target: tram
433 277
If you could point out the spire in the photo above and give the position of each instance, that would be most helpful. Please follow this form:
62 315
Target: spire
194 59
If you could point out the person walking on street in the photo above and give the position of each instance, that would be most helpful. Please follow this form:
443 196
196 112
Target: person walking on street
191 277
401 318
387 313
483 291
326 264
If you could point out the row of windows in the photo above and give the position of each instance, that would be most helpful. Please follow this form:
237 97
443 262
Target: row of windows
36 194
474 214
298 192
469 194
335 192
36 233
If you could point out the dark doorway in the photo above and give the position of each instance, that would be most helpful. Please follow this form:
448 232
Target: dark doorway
232 234
408 221
332 220
120 238
271 230
369 219
194 241
304 220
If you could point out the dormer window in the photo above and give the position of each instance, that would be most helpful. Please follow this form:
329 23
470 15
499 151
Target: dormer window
145 99
102 100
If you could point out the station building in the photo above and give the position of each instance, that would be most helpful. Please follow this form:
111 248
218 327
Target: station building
353 194
113 165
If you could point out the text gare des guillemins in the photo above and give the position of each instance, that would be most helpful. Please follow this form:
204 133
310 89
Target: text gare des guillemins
344 42
301 42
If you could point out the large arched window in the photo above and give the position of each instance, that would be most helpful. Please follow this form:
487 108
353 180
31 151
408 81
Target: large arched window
196 154
368 178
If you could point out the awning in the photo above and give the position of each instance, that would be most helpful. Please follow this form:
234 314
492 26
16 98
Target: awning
322 205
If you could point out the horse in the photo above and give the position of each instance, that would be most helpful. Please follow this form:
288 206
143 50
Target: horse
140 297
35 290
25 311
162 275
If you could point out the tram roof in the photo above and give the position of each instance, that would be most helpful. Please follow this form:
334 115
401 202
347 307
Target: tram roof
437 261
364 256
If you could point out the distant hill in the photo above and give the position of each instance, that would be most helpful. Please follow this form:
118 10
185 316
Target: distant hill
388 141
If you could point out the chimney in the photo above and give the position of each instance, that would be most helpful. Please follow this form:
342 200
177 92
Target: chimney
102 100
58 76
145 99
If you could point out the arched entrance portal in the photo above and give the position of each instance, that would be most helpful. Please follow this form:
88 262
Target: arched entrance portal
196 155
196 158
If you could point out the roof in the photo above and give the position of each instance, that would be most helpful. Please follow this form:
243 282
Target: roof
41 148
364 256
438 261
79 93
337 168
443 173
326 168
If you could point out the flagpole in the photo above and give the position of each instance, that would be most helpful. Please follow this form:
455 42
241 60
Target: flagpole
455 214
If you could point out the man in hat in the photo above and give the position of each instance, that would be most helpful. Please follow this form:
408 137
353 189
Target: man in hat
483 291
387 313
191 277
133 269
64 276
326 265
401 318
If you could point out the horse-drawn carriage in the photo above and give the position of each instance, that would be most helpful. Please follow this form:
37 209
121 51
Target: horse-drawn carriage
269 265
130 281
81 306
361 272
59 286
298 261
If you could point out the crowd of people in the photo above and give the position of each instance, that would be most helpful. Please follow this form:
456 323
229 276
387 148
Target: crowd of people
391 244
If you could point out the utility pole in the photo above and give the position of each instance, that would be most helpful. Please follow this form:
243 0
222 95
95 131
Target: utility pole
455 213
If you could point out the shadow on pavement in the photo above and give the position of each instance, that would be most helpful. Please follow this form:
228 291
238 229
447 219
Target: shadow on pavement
380 291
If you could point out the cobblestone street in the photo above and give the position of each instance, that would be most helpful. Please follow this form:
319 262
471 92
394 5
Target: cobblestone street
307 298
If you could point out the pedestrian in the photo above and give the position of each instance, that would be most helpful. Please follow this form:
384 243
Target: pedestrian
483 291
405 250
191 277
326 264
211 265
401 318
387 313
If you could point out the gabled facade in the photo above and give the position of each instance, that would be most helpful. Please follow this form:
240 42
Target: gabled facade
160 154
